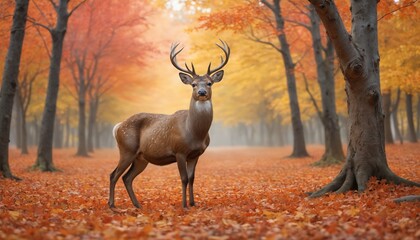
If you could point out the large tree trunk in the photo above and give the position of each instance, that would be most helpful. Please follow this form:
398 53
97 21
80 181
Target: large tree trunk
299 147
44 159
9 82
411 132
386 104
325 74
359 59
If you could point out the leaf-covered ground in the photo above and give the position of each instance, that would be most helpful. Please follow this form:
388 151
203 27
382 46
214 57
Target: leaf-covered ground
241 193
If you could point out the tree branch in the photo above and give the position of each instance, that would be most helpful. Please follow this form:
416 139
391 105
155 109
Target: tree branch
397 9
76 7
298 23
313 99
54 5
29 19
345 48
269 5
254 38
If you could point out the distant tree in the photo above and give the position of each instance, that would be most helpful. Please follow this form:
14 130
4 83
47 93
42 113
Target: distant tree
359 60
44 160
9 82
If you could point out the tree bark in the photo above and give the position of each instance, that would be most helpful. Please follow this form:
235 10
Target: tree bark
18 117
386 105
418 115
82 147
9 82
411 132
44 159
394 115
93 109
299 147
325 74
359 60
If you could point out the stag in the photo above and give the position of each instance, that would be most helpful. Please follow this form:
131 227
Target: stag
164 139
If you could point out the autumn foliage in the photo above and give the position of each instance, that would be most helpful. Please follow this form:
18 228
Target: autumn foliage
241 193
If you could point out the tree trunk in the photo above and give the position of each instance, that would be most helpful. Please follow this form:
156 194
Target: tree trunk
67 139
394 115
98 144
386 104
418 115
325 74
411 132
93 108
9 82
44 159
58 136
18 118
359 61
299 147
82 147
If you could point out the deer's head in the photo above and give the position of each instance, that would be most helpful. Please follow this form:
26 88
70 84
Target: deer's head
201 84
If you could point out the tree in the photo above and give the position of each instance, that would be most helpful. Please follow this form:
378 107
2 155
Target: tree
9 84
96 37
359 60
299 148
324 58
44 159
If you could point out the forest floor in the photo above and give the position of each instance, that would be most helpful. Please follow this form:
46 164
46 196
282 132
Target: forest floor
241 193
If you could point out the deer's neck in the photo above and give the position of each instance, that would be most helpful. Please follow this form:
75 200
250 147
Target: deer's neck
200 116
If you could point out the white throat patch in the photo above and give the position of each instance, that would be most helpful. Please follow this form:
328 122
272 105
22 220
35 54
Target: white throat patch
203 106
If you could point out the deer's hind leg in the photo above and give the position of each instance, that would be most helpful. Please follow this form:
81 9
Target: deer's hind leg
136 168
128 153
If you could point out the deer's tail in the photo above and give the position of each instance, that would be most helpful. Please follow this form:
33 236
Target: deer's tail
115 129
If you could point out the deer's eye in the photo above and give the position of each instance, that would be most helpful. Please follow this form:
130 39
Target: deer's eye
209 84
194 85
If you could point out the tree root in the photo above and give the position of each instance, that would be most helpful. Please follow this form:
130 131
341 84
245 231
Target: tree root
327 160
348 180
44 168
12 177
410 198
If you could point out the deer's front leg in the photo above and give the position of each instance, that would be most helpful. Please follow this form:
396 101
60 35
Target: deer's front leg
182 167
191 175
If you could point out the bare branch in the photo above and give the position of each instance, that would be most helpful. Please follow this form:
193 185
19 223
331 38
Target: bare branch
44 42
312 98
397 9
54 4
70 92
308 27
254 38
76 7
299 9
269 5
29 19
42 13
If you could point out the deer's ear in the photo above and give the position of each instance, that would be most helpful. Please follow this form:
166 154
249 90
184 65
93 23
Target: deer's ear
218 76
185 78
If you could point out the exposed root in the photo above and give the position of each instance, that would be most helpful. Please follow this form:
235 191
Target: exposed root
327 160
44 168
399 180
410 198
348 180
331 187
12 177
